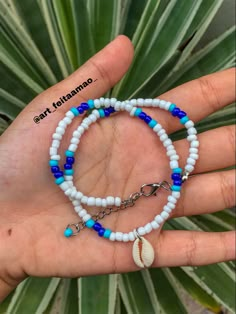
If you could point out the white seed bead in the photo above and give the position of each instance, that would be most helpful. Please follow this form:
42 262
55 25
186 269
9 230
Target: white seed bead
133 111
112 236
157 128
167 142
191 161
69 114
76 134
154 224
155 102
194 144
64 186
56 136
189 124
67 120
189 168
104 202
171 205
193 150
161 132
70 184
84 125
87 121
55 143
125 237
110 200
117 105
73 193
117 201
174 157
119 236
79 195
176 194
98 201
73 147
60 130
167 105
82 213
192 131
53 151
74 140
86 217
84 199
96 113
174 164
91 201
172 199
141 231
107 102
159 219
133 102
62 124
171 152
148 102
191 138
122 105
167 209
80 129
162 104
148 228
97 103
164 215
92 117
75 203
131 236
113 101
68 192
128 107
163 137
68 178
78 209
140 101
170 147
194 156
101 101
55 157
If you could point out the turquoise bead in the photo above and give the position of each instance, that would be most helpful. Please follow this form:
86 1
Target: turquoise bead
101 113
74 111
69 172
68 232
59 180
137 111
90 102
107 233
68 153
152 123
89 223
177 170
176 188
53 162
172 107
184 120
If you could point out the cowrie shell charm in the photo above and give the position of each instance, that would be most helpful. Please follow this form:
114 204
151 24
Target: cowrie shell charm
143 252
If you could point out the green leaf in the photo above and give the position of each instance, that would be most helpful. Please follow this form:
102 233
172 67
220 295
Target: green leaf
10 106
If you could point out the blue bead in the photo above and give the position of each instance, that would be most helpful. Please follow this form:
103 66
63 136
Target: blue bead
59 180
107 233
177 170
69 172
68 232
137 111
69 153
111 109
53 162
176 176
55 169
84 105
148 119
172 107
80 109
175 112
97 226
177 182
101 113
176 188
101 232
184 120
181 114
67 166
70 160
90 223
74 111
90 103
142 115
107 112
152 123
58 174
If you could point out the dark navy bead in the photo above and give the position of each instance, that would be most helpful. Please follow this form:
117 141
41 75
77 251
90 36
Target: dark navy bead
80 109
176 176
142 115
107 112
101 232
55 169
111 109
67 166
178 182
97 226
58 174
70 160
181 114
148 119
84 105
175 112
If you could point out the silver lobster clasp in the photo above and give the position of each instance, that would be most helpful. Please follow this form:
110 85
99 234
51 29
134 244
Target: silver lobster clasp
149 189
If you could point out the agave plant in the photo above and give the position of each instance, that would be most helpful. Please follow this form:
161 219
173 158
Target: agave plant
43 42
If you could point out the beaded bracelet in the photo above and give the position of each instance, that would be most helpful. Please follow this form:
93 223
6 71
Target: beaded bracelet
144 256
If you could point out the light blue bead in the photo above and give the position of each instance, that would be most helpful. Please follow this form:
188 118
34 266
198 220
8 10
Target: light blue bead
184 120
75 111
59 180
53 162
152 123
101 113
69 172
68 232
177 170
90 102
69 153
89 223
107 233
176 188
172 107
137 111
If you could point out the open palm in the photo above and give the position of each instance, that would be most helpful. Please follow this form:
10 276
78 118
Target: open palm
115 157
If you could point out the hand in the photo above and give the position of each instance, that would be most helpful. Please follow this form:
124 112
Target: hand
116 156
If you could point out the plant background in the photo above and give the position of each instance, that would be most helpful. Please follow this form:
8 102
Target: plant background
43 41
